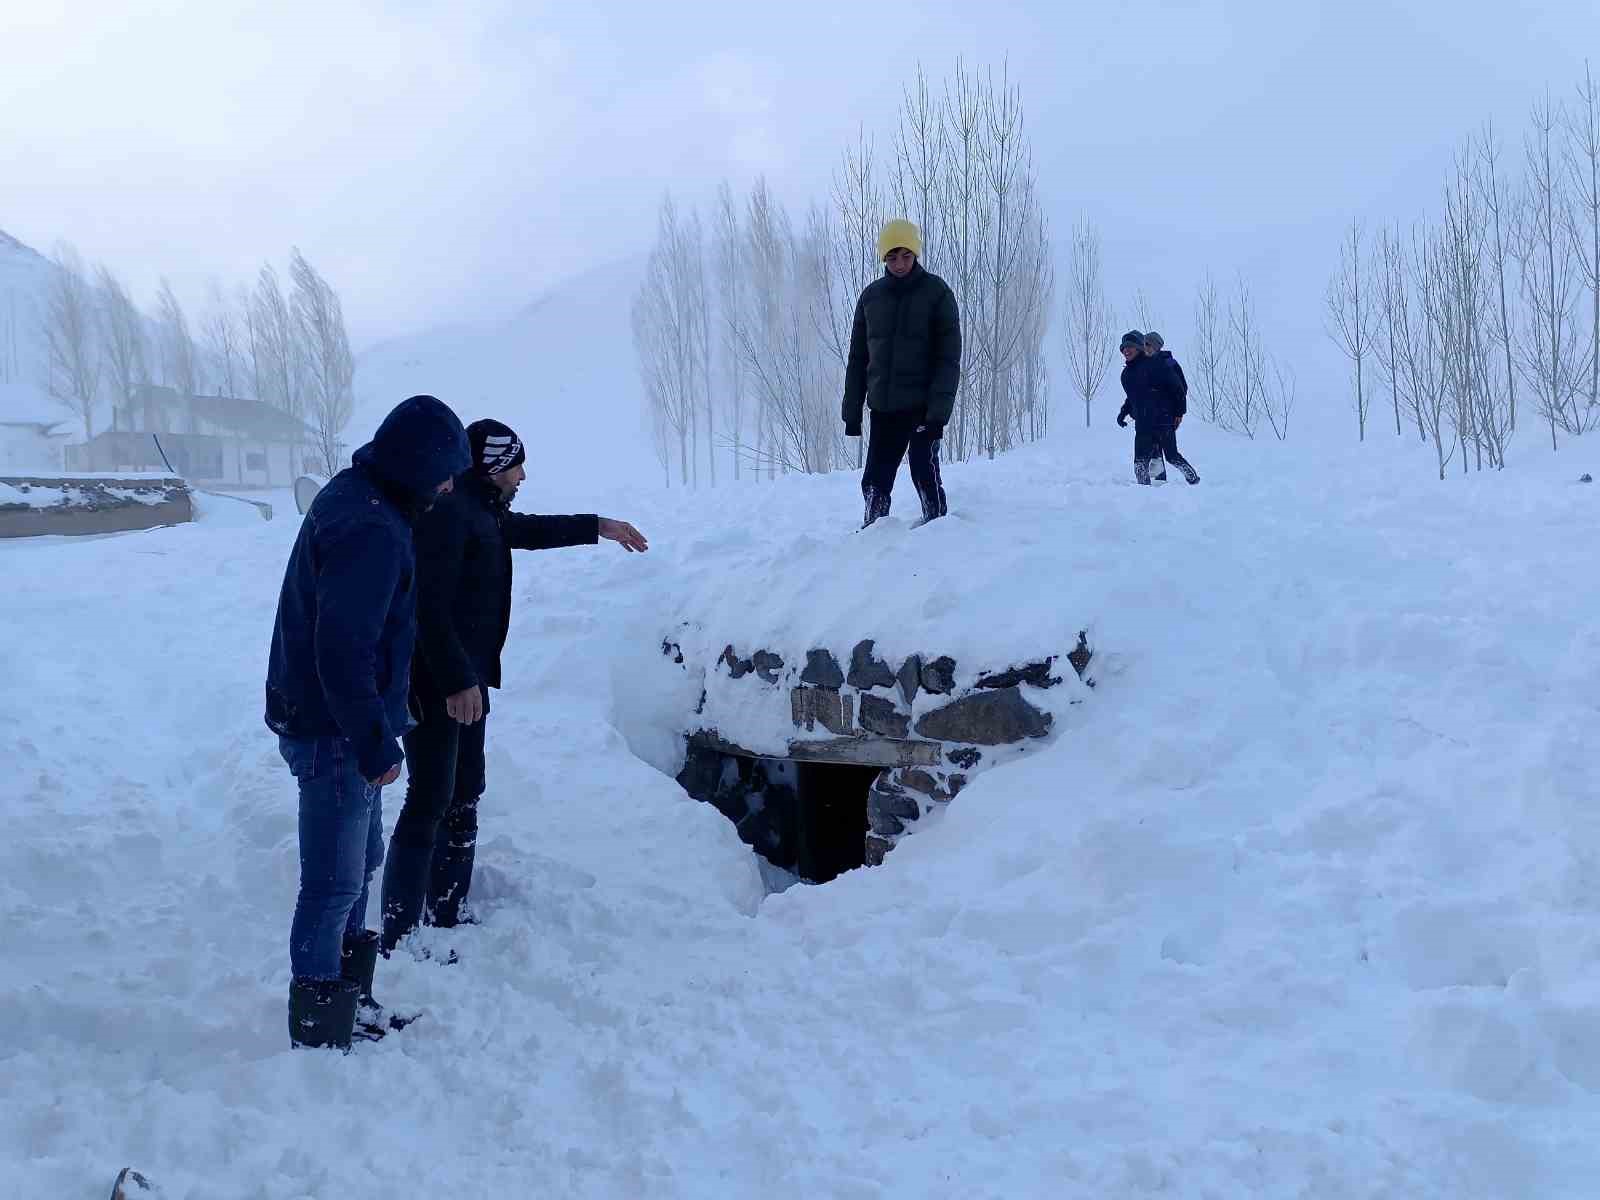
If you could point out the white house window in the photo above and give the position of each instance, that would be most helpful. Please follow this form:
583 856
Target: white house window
255 461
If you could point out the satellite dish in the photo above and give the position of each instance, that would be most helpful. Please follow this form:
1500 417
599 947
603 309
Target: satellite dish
306 489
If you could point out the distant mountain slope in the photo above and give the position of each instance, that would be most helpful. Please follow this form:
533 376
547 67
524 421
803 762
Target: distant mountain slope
24 273
561 372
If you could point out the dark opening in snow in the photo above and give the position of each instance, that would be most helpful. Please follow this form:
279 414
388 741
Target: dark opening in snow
809 818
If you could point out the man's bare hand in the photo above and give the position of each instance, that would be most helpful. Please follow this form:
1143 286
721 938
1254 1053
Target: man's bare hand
466 706
625 535
387 777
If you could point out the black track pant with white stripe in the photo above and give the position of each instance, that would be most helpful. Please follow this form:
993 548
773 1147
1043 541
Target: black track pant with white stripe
892 436
1153 448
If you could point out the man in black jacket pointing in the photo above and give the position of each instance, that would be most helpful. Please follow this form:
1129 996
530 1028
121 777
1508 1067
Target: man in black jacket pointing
463 613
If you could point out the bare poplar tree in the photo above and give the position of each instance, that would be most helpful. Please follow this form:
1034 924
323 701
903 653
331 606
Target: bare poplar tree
1389 283
698 294
250 338
1548 355
279 346
1038 283
1582 153
1250 361
1351 316
71 339
1279 397
964 220
319 323
1007 173
779 343
178 358
1504 217
653 349
221 338
1430 369
122 334
859 207
1090 336
922 155
1212 357
730 268
1143 312
666 335
1481 412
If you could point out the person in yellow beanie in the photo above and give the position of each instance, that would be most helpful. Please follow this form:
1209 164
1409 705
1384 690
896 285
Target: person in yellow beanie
905 365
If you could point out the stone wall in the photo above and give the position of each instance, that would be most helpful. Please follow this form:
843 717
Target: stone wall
31 505
924 733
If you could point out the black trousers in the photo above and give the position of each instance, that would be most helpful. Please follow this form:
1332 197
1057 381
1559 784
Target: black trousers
429 868
1153 448
891 437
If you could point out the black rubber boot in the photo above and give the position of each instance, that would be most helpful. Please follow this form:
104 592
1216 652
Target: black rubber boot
451 881
322 1012
405 886
358 962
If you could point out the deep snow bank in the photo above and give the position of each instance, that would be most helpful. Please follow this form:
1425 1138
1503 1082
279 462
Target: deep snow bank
1302 901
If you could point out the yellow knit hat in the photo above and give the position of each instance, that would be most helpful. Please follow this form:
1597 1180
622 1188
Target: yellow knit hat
898 233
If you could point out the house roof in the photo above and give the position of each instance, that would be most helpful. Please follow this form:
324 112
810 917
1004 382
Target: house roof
246 418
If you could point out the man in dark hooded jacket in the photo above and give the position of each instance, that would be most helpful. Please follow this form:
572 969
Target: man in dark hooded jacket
464 550
905 365
337 696
1156 397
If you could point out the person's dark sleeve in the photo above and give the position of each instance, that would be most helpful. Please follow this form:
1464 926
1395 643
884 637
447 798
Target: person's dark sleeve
946 356
855 370
1183 389
524 532
355 587
441 541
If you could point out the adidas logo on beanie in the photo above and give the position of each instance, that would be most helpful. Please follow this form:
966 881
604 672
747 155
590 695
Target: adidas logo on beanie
495 447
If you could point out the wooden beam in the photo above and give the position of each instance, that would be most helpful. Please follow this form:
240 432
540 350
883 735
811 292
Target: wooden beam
857 751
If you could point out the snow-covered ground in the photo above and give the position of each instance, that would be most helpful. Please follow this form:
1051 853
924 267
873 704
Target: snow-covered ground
1303 900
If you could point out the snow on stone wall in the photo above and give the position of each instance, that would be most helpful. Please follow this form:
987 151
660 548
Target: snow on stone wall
31 505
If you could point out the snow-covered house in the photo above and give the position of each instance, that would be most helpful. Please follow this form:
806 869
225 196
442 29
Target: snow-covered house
209 440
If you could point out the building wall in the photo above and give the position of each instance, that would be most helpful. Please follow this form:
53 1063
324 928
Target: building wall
23 448
205 460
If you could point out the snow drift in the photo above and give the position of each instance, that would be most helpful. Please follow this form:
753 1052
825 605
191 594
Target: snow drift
1303 900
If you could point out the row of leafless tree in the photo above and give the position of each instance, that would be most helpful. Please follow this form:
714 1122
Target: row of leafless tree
742 320
286 347
1235 383
1484 316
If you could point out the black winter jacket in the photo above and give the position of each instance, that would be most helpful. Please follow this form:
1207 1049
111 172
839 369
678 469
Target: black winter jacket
1155 391
464 579
905 349
1183 384
340 664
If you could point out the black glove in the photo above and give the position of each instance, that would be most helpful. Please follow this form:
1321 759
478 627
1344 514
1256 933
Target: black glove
852 429
1122 420
933 429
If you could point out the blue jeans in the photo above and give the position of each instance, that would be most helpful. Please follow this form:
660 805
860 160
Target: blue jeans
341 846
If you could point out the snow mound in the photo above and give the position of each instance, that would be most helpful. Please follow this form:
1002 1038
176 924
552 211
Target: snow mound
1302 901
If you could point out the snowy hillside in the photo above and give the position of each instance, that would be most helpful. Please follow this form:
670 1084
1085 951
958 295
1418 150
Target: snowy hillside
24 274
1302 900
561 372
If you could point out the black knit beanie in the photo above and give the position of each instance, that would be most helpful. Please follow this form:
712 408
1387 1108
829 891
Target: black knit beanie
495 447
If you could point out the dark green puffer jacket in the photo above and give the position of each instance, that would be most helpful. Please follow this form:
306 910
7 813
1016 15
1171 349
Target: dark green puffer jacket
905 349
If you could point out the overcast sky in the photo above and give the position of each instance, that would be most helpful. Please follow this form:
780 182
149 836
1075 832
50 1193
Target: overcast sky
447 162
